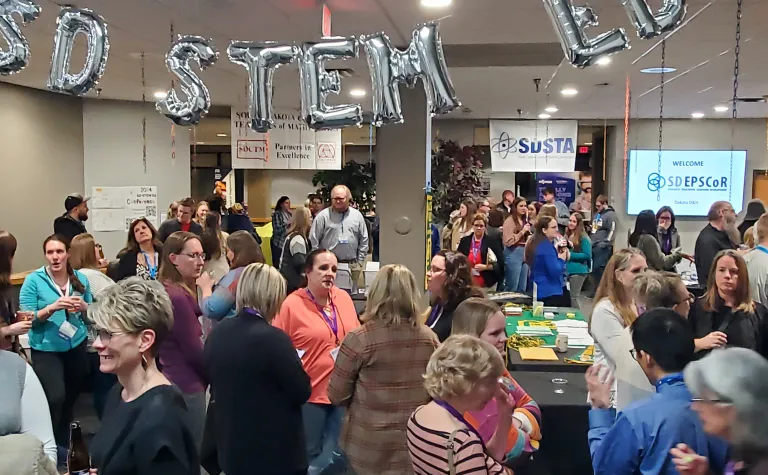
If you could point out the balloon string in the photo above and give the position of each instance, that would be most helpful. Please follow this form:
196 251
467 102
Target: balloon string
627 106
144 111
173 126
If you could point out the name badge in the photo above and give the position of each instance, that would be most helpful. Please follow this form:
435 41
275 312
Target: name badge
335 353
67 330
475 272
343 240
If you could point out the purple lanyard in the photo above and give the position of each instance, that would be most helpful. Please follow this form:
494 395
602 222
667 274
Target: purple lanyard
437 309
730 468
333 321
452 411
476 248
253 312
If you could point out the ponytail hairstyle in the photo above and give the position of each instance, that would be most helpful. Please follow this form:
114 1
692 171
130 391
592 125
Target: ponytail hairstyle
73 280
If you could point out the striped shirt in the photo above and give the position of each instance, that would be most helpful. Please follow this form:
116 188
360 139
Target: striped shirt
429 452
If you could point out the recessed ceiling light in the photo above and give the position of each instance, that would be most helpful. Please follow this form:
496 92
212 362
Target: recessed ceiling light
199 143
544 116
697 115
587 143
658 70
435 3
721 108
349 143
569 92
357 92
160 95
221 135
604 61
552 109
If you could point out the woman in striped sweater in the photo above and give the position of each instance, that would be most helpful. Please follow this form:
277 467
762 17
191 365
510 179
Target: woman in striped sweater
484 319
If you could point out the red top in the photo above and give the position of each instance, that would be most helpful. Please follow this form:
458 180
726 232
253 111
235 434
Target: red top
476 257
185 226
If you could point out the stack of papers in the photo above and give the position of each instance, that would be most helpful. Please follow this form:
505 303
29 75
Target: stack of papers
533 331
511 310
538 354
577 331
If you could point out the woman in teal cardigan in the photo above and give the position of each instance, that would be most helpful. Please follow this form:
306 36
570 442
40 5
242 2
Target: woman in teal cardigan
581 256
59 297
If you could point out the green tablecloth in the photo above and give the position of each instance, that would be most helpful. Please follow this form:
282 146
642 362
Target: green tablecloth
527 319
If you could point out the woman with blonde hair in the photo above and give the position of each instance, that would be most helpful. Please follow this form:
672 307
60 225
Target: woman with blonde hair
201 211
726 315
615 309
181 354
254 365
173 210
145 427
296 248
462 375
376 380
511 433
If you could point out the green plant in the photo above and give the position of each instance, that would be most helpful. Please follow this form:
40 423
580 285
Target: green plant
456 176
360 178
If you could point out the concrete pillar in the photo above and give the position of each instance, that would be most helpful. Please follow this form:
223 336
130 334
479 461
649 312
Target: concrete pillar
403 170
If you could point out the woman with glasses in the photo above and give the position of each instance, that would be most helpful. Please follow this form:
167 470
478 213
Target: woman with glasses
668 236
482 254
181 354
449 282
645 238
730 395
145 428
726 315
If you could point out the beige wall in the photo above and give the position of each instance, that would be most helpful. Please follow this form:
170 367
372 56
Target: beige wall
41 162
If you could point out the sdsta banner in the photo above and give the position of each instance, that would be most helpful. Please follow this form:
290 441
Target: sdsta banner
533 145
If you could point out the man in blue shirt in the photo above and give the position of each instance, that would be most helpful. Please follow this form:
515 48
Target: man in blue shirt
638 441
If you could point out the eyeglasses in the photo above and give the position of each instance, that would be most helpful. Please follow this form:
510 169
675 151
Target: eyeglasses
196 256
711 401
436 270
633 352
691 298
105 335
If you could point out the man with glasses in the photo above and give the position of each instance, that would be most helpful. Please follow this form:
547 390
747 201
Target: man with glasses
182 221
342 230
639 439
720 234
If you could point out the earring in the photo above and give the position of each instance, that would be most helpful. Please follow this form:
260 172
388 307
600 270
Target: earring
144 362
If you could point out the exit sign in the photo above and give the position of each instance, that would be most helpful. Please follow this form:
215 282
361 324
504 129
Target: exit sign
583 149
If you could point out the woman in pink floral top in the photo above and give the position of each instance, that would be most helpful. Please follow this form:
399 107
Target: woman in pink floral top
484 319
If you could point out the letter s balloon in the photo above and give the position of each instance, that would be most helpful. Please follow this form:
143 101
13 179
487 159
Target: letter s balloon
190 111
69 23
647 24
17 56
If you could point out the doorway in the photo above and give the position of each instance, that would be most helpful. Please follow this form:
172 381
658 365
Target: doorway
760 185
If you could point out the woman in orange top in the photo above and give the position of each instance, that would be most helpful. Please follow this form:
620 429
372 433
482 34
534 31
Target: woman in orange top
317 318
510 440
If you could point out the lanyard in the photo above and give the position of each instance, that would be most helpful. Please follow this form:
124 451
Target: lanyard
332 321
762 248
476 249
151 268
452 411
65 291
671 379
252 311
437 310
343 215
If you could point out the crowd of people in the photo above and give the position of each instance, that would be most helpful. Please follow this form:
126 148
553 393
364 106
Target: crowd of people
199 353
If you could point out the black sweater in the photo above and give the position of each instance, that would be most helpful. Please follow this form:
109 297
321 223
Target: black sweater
708 244
745 330
259 385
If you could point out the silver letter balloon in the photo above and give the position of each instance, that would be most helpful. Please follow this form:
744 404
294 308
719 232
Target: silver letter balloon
422 59
69 23
17 56
648 25
570 23
190 111
317 83
261 60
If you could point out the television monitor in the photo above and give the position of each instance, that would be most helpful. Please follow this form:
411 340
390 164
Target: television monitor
689 181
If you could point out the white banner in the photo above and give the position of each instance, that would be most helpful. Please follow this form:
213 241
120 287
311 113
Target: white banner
291 145
533 145
116 207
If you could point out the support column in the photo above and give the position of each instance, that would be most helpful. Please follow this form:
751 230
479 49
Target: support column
403 170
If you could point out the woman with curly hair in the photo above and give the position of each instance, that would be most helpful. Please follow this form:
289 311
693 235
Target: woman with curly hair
449 283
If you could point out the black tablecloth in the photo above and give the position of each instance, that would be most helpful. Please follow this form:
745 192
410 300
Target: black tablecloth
515 363
562 398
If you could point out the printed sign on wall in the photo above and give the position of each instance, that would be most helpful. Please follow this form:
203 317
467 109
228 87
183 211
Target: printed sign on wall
291 145
565 188
533 145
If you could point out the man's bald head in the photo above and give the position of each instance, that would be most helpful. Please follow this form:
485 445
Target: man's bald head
340 198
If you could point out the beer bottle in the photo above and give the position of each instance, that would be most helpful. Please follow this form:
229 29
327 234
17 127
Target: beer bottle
78 460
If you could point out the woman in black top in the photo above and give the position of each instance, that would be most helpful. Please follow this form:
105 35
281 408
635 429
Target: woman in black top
449 283
142 254
10 329
145 429
484 252
296 248
726 315
645 237
258 383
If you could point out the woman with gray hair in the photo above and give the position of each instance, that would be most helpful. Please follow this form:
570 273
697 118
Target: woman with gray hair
258 384
145 428
730 390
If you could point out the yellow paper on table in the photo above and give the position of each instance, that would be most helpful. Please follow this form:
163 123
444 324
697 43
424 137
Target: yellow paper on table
538 354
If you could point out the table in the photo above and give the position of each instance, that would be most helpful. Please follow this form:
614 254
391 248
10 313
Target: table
515 363
562 398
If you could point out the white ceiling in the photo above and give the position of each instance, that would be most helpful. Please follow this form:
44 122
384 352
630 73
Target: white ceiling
487 92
